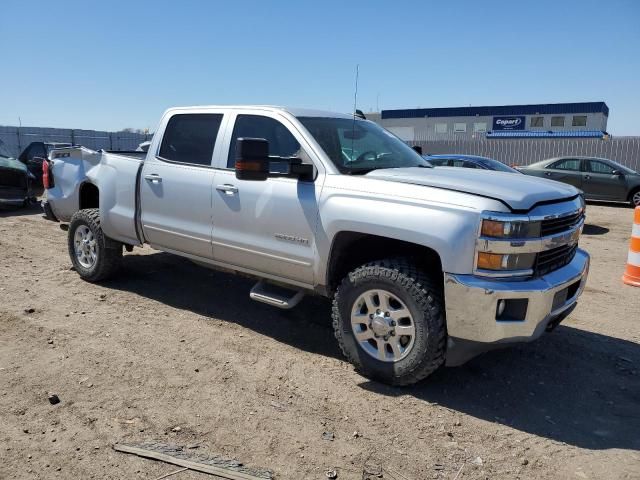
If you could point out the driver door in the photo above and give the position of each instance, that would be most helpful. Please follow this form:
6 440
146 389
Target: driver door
266 226
599 181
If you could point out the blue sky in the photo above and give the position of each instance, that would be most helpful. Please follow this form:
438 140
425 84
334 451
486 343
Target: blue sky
115 64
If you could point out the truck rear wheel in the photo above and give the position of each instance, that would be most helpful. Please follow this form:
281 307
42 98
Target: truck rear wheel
95 256
388 317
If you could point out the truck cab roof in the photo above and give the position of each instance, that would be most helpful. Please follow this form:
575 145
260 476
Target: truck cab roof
295 111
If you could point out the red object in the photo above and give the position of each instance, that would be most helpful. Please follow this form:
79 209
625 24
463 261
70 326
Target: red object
45 174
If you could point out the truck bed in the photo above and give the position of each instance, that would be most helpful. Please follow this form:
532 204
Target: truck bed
79 171
128 153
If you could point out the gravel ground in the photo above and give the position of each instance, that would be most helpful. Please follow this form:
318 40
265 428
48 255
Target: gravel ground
175 353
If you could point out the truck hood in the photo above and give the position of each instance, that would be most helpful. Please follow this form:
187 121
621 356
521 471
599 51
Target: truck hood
518 192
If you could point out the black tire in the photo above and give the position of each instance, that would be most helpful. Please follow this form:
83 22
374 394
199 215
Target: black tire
631 200
421 294
108 251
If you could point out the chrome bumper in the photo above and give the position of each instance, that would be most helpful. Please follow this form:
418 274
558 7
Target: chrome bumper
471 308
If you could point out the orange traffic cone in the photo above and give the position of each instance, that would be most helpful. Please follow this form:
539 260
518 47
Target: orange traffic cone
632 273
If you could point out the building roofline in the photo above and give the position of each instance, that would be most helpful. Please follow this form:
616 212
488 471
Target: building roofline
497 110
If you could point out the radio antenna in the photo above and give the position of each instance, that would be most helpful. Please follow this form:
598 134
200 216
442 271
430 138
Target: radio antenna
355 95
355 104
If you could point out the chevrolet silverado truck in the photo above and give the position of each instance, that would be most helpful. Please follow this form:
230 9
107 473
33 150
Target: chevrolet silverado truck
425 267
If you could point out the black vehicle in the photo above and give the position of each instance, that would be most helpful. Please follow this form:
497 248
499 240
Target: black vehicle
598 178
34 154
15 180
468 161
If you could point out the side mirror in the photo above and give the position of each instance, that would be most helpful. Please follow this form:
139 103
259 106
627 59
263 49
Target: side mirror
253 162
418 149
291 167
252 159
617 173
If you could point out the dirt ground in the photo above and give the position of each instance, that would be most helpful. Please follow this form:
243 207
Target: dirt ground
169 344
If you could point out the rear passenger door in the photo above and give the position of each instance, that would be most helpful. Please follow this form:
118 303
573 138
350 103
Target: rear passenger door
175 188
567 170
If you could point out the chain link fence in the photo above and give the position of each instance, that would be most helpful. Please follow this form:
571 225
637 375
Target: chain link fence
624 150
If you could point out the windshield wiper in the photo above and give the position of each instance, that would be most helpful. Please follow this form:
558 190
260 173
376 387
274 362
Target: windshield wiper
360 171
365 170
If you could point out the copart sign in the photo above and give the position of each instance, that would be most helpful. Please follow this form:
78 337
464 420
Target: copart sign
508 123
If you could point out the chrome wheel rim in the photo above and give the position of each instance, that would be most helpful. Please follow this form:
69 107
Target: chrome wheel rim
383 325
84 244
636 199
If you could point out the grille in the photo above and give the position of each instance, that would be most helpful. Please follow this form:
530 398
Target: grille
554 259
11 178
557 225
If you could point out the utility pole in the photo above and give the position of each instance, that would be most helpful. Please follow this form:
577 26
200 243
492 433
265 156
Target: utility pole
18 133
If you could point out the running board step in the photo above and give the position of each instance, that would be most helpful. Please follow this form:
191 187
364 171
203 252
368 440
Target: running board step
275 295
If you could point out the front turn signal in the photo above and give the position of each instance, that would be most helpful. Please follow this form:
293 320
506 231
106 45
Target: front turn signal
491 261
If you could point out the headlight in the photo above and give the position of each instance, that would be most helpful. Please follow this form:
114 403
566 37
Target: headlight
510 229
511 261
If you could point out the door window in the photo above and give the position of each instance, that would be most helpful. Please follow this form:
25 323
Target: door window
281 142
567 164
35 150
600 167
190 138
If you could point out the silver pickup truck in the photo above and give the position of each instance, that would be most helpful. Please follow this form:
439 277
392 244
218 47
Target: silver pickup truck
425 267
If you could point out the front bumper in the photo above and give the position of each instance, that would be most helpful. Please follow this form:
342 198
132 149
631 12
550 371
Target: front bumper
471 308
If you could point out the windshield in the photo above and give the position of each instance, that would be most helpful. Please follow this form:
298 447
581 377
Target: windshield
4 151
496 165
359 146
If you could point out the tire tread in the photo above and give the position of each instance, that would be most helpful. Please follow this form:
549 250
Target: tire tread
111 250
425 290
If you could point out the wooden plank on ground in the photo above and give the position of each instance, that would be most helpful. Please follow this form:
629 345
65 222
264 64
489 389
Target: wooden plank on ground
177 456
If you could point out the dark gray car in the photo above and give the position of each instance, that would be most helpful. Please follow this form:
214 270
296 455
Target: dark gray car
598 178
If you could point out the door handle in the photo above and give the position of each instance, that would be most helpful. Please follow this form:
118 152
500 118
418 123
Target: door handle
548 174
153 178
227 189
587 177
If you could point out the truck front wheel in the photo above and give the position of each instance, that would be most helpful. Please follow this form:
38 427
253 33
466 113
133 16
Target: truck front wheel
94 255
388 317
